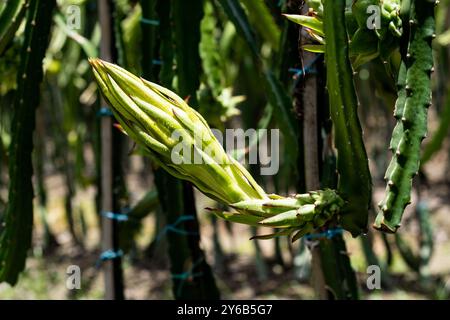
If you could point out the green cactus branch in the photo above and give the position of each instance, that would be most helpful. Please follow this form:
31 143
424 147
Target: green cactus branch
15 238
408 25
354 176
414 99
10 19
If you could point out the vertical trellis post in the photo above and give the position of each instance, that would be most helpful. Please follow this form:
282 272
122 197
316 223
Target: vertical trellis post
310 138
112 267
312 158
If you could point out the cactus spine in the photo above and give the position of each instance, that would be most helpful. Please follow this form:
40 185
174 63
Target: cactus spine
414 98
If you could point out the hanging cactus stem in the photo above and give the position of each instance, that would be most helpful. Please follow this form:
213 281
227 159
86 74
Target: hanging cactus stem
414 99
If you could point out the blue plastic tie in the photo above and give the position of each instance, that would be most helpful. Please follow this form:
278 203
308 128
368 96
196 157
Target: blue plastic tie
309 69
299 72
157 62
108 255
173 227
104 112
328 234
151 22
115 216
187 275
